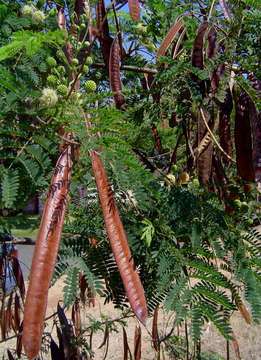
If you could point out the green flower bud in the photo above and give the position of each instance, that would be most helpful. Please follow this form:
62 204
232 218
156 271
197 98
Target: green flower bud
98 75
82 26
85 69
38 17
60 54
27 10
89 61
52 80
49 98
61 70
195 183
90 86
62 90
75 62
87 43
51 61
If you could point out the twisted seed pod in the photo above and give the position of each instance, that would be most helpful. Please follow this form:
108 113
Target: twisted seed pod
114 73
45 254
134 9
118 241
174 30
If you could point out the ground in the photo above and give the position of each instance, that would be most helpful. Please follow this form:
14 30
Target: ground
249 337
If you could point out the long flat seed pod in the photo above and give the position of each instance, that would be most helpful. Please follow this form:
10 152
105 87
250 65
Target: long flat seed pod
197 52
224 126
204 161
118 241
114 73
255 119
104 33
45 254
212 37
174 30
134 9
243 138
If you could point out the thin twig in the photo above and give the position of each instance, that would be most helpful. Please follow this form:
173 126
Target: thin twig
133 68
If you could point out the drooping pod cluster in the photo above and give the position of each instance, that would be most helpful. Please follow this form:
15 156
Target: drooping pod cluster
45 254
118 241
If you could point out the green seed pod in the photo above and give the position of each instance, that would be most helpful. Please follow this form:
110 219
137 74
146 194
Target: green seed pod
51 61
62 90
90 86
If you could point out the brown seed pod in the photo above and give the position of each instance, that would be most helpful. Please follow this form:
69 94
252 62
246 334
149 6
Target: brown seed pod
224 126
173 31
114 73
45 254
134 9
197 52
118 241
104 33
204 161
243 138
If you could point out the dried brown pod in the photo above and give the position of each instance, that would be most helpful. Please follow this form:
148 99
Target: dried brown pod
118 241
197 52
174 30
204 160
224 126
243 138
134 9
114 74
45 254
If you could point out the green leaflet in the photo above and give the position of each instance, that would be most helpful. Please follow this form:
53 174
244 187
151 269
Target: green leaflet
31 42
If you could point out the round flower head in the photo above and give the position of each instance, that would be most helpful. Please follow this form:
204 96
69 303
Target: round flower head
49 97
27 10
52 80
62 90
51 61
90 86
38 17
